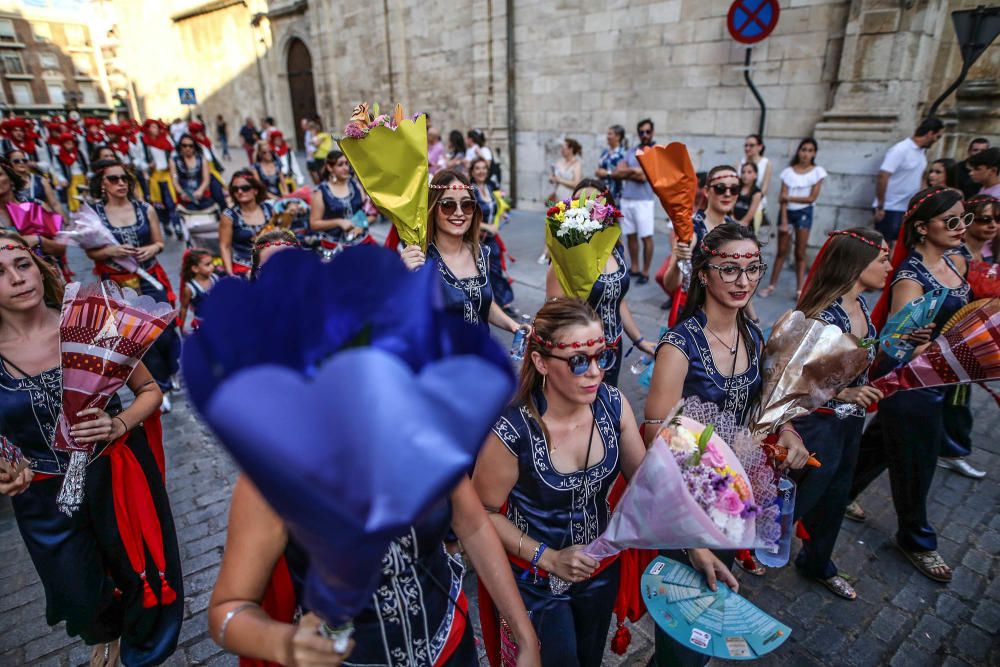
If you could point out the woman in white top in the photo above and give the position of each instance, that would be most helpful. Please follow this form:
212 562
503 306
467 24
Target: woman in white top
800 185
568 170
753 151
476 148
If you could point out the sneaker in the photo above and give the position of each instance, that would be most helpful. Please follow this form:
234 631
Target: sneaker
544 259
166 405
854 512
962 467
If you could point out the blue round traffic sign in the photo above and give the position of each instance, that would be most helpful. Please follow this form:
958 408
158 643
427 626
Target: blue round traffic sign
750 21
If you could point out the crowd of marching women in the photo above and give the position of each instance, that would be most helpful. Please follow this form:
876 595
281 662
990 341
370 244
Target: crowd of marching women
351 548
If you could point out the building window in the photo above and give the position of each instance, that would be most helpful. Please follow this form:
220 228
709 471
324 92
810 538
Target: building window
7 33
75 35
48 60
42 32
12 63
82 64
90 96
56 93
22 93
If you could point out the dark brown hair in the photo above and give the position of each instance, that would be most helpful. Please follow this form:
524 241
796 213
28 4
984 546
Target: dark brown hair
275 235
838 267
251 178
600 186
925 206
16 182
448 177
574 145
96 184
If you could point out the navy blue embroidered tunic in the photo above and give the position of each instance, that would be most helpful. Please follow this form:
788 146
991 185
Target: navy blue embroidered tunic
836 315
244 233
469 297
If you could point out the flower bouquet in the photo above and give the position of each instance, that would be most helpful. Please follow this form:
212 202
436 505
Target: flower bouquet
691 470
968 350
103 332
671 175
503 208
580 235
984 279
368 422
389 155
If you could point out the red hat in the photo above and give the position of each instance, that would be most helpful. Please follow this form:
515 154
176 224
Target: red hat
114 130
196 126
17 121
66 136
274 134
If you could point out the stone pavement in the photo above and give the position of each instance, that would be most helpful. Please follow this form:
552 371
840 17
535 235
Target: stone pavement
900 618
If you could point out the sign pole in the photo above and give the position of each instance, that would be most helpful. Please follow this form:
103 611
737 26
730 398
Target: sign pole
756 93
749 22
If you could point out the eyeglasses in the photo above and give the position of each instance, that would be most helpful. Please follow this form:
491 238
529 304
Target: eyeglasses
579 363
115 179
645 133
449 206
730 273
958 221
186 145
19 160
748 145
243 188
722 188
985 220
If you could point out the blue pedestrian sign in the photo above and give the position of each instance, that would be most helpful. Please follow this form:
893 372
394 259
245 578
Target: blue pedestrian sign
187 96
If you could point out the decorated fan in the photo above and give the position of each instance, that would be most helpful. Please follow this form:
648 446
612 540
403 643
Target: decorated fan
968 350
11 456
103 333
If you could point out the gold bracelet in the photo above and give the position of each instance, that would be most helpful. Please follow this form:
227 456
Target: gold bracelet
519 540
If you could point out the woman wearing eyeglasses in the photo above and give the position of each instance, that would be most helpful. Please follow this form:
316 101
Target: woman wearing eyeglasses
982 235
35 188
268 171
190 174
139 237
241 222
907 432
453 243
550 462
339 209
714 354
800 185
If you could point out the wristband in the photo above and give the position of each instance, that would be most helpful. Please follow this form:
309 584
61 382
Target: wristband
538 555
124 425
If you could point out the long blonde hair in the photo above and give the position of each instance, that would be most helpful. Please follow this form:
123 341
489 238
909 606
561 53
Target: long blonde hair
52 282
448 177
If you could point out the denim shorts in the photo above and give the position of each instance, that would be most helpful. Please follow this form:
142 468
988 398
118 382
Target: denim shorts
801 218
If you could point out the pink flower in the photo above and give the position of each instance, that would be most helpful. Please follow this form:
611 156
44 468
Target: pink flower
729 502
713 456
355 131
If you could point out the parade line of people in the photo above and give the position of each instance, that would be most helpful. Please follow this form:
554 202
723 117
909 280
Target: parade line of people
542 486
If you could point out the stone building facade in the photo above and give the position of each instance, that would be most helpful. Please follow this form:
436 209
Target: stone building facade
855 74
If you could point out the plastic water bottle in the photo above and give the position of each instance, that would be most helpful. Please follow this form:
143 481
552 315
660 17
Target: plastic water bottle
640 364
520 344
786 503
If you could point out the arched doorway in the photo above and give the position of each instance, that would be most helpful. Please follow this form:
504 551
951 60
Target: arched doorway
300 86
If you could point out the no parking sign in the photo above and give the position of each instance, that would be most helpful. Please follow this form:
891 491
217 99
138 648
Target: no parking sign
750 21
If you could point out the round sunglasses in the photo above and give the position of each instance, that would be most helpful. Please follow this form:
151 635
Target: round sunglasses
958 221
579 363
449 206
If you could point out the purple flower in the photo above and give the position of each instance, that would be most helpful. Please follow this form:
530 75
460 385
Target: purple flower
770 531
355 131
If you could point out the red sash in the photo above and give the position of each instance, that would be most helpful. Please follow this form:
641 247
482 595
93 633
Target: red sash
130 279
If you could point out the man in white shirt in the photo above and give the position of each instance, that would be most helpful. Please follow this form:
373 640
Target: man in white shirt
178 129
900 177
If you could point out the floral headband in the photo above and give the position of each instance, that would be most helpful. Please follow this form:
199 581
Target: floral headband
933 193
859 237
729 173
453 186
728 255
15 246
277 244
549 345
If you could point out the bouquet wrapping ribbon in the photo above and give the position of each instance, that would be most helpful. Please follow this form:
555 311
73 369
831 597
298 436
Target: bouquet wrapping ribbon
577 268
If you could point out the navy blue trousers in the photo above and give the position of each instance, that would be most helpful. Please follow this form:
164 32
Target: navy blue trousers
823 493
957 417
905 437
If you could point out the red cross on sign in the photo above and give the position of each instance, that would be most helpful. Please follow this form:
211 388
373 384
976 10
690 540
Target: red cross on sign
750 21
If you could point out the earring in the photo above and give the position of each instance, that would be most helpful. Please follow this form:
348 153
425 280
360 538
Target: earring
704 283
544 378
923 237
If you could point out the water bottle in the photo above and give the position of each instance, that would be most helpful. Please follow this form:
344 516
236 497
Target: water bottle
640 364
520 344
778 557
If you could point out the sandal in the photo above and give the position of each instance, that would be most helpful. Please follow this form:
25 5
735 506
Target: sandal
749 563
839 587
105 655
766 292
854 512
926 562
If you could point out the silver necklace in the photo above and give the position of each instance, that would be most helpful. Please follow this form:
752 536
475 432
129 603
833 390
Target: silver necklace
736 339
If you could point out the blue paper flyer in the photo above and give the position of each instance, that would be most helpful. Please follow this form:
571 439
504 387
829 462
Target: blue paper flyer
916 314
719 623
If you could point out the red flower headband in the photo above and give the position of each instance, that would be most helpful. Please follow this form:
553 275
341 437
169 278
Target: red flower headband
277 244
933 193
728 255
978 200
549 345
453 186
844 232
723 174
15 246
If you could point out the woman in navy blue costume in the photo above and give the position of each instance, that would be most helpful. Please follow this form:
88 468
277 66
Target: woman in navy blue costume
81 560
851 262
418 614
907 433
607 296
714 354
190 174
489 234
453 243
240 223
137 231
552 458
340 198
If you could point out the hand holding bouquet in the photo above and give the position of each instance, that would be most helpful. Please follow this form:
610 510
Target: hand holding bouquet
580 235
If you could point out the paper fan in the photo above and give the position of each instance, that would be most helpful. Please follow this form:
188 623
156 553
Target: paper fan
963 312
721 623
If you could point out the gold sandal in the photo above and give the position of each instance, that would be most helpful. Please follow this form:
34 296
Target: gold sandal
926 562
839 587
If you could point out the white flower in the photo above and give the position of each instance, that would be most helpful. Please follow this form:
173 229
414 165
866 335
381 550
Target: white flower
682 440
731 525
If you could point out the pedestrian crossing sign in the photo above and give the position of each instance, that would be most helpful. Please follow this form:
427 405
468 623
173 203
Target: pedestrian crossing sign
187 96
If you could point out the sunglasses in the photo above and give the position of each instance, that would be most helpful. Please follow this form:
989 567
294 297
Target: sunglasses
19 160
645 133
243 188
579 363
985 220
956 222
721 189
115 179
186 145
730 273
449 206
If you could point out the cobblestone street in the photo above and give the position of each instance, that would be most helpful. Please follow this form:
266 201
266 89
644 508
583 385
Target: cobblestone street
901 618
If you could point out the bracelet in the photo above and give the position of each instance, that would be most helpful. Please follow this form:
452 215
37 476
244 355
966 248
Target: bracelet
124 425
789 429
232 614
539 550
636 343
653 421
519 541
